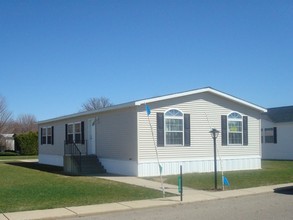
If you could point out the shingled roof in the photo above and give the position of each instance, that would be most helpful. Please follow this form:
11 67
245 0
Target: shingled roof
281 114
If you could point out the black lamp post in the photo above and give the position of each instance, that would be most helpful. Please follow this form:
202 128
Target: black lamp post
214 133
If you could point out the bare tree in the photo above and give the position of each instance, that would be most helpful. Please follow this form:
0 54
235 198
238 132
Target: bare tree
96 103
5 116
25 123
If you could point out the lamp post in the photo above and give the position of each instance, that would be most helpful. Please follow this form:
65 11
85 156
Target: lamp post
214 133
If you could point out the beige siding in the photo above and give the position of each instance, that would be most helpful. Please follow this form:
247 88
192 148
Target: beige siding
117 134
283 149
59 135
205 112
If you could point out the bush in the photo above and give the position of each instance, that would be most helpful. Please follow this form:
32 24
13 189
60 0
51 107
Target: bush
27 143
8 153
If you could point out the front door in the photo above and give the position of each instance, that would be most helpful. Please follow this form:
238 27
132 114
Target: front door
92 136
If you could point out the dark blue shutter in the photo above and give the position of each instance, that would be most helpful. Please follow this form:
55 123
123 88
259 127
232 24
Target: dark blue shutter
66 136
160 129
186 129
82 132
42 142
275 135
52 135
245 130
224 129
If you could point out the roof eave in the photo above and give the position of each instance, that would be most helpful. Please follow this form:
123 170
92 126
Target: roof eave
86 113
207 89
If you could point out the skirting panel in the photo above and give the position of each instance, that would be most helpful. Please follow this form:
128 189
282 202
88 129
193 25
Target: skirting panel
122 167
51 159
198 166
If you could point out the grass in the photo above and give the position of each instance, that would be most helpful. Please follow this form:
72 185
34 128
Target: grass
13 157
272 172
30 186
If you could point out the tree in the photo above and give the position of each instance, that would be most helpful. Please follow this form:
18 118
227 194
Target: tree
96 103
27 143
5 116
25 123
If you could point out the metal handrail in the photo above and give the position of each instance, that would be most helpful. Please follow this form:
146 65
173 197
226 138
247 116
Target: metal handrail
73 150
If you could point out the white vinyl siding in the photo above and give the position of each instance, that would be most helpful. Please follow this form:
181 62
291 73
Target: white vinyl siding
57 148
205 112
283 149
117 134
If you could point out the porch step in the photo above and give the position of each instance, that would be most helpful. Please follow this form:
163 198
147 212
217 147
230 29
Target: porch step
90 164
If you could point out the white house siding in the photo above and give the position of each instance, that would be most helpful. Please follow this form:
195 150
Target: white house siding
283 149
53 154
117 140
205 112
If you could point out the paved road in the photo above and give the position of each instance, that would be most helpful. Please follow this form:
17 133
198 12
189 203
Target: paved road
260 206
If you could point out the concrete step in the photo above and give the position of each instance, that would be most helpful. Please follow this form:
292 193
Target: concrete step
90 164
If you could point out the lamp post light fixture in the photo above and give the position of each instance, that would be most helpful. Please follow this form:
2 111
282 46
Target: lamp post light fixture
215 133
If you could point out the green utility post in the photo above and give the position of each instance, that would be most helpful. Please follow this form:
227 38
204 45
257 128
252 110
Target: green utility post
180 186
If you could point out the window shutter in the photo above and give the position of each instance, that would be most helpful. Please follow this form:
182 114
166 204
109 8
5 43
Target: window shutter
82 132
42 136
224 129
245 130
52 135
275 135
186 129
66 136
160 129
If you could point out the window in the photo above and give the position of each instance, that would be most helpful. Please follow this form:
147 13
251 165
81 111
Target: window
270 135
44 135
234 129
75 132
70 133
47 135
174 127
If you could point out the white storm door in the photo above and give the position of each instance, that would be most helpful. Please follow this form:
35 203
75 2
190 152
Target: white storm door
91 136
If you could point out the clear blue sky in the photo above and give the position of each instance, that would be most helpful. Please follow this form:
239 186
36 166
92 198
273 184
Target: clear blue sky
56 54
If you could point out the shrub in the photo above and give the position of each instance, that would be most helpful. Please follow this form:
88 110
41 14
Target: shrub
27 143
8 153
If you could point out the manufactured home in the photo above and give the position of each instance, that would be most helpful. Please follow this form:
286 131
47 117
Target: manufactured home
277 133
125 139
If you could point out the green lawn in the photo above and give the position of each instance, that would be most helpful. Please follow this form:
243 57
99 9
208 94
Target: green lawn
17 157
29 186
272 172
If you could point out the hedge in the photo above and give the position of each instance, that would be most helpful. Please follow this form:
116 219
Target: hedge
27 143
8 153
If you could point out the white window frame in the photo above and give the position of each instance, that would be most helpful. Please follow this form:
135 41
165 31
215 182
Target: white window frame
235 132
49 135
166 117
73 133
269 132
45 133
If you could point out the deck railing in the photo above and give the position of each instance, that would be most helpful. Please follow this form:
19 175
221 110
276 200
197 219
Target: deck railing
75 151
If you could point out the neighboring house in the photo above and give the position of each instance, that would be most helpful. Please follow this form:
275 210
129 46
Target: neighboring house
121 136
277 133
7 142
